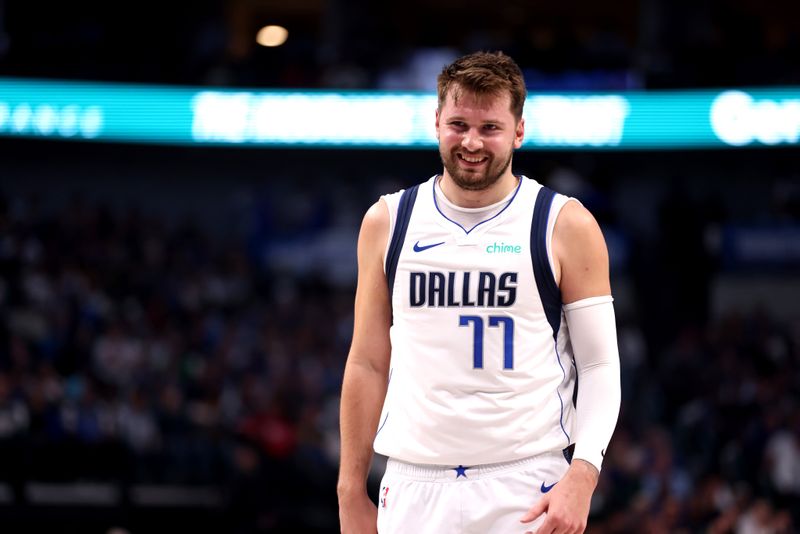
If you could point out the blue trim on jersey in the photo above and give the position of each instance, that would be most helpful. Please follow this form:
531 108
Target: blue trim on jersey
404 210
388 381
564 377
384 422
577 379
549 293
435 203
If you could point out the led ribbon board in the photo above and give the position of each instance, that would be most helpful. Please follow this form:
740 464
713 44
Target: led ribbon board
194 116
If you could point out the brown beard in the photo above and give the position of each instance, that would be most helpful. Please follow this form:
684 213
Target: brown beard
467 180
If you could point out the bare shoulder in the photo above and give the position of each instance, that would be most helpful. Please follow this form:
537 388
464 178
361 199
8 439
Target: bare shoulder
374 230
576 223
377 217
580 254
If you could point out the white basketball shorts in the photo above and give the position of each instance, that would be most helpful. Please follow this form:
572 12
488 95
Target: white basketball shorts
485 499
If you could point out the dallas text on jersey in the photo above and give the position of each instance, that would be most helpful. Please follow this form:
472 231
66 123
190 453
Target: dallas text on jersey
453 289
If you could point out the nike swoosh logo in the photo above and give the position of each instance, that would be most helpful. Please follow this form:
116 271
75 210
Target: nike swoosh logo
545 489
420 248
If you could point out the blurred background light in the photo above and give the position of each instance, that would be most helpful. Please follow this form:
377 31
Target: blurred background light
271 36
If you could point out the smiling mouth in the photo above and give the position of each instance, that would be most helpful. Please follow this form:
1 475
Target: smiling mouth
472 160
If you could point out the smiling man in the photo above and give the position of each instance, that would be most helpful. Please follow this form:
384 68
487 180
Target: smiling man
482 296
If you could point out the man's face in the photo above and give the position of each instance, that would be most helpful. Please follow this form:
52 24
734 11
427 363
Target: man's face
477 137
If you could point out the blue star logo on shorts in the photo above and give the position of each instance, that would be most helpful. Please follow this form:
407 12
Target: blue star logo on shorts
461 471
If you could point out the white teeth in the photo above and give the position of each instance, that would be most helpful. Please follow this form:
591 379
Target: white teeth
471 160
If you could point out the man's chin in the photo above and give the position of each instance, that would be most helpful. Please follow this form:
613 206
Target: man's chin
470 178
473 181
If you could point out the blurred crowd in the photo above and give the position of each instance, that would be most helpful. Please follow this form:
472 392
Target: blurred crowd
133 350
709 435
136 354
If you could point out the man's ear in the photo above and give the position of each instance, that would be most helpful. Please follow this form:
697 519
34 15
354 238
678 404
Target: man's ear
519 133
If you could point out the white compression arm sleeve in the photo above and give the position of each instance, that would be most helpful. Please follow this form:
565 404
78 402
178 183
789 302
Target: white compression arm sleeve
593 332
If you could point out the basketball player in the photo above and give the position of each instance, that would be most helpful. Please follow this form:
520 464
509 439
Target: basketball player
481 297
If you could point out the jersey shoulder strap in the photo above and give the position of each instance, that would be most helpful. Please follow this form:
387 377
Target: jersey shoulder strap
404 209
545 282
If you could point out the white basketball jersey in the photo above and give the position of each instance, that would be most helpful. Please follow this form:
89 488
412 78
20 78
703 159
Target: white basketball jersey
481 366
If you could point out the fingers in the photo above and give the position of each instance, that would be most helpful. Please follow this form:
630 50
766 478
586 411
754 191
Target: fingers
559 521
536 510
563 524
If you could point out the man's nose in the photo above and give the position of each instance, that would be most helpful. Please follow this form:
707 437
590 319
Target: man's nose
472 141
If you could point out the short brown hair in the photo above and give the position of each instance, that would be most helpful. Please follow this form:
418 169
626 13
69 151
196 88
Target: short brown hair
485 73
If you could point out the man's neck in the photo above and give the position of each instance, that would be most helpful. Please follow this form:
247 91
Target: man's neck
465 198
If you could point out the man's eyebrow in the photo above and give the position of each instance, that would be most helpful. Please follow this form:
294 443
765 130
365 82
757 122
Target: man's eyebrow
486 121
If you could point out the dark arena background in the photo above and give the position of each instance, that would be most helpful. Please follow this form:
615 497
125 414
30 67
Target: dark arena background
176 300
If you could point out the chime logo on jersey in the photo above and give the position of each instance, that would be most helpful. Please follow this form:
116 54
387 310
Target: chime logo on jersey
503 248
384 493
462 289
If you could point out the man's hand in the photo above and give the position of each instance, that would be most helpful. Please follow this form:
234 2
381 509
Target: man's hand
357 513
567 504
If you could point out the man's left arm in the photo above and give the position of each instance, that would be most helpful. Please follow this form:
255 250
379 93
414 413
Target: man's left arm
581 268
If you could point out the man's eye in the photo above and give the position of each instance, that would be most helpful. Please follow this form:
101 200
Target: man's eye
490 127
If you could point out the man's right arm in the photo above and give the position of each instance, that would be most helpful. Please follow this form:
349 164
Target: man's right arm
365 375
